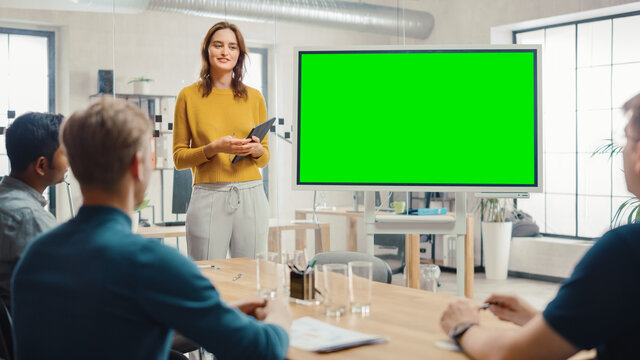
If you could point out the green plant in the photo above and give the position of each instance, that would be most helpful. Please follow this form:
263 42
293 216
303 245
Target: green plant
139 79
630 209
142 205
493 210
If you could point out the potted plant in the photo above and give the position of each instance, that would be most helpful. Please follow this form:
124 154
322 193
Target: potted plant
630 208
496 237
141 85
135 216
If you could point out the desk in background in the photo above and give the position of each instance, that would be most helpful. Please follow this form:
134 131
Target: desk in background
352 220
161 232
322 238
322 235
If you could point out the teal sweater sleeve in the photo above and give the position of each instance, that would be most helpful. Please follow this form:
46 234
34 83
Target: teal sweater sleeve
172 290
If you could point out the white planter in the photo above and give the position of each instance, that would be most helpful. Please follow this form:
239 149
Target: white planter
135 219
496 237
142 87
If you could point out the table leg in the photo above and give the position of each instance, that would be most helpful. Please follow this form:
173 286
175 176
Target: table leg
412 250
273 240
468 257
352 234
301 234
325 241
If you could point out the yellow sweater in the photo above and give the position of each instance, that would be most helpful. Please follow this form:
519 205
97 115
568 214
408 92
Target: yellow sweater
199 121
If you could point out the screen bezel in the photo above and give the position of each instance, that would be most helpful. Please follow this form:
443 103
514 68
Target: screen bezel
536 187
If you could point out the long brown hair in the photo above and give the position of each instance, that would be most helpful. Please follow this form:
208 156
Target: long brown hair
206 83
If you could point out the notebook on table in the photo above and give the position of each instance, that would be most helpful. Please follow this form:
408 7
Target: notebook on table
314 335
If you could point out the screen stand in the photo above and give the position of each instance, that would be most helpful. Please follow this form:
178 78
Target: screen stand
413 226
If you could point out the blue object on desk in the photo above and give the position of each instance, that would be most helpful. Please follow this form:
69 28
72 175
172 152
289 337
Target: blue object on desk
428 211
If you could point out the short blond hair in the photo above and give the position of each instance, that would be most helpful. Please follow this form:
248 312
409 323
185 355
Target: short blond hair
101 141
632 108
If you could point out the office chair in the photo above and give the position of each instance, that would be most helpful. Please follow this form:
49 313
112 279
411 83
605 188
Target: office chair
381 270
396 261
6 333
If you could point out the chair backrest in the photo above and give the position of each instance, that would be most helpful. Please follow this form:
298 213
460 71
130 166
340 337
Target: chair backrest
381 271
6 333
182 183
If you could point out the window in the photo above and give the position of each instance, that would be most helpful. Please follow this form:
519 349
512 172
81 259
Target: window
256 77
26 82
590 68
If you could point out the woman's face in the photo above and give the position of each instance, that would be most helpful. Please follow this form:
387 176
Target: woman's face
223 50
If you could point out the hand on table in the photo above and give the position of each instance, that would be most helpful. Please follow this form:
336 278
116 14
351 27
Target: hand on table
511 308
277 312
458 312
250 306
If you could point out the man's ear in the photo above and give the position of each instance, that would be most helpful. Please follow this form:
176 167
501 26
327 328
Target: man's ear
636 158
136 166
41 165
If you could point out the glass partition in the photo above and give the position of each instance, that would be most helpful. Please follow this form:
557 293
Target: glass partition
50 55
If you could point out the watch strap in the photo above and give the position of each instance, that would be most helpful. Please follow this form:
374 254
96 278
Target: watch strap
459 330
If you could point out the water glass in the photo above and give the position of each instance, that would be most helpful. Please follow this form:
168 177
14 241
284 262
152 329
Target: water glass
336 293
268 274
360 274
320 289
429 274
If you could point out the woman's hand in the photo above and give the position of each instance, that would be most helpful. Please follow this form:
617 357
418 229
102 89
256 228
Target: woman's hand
255 147
511 308
229 145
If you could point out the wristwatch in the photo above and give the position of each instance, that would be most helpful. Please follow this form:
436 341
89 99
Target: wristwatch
457 331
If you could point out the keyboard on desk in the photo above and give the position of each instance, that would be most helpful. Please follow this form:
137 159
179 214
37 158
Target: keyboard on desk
170 223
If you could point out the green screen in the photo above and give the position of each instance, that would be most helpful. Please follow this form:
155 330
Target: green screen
458 118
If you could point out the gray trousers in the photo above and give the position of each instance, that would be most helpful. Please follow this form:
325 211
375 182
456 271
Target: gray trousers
225 217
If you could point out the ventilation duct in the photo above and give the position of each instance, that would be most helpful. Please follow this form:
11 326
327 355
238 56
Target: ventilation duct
356 16
347 15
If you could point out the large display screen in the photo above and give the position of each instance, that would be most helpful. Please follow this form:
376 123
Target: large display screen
438 119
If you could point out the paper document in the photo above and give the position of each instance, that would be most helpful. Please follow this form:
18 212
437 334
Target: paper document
314 335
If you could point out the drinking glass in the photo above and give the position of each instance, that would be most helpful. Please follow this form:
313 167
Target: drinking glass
360 274
267 274
336 289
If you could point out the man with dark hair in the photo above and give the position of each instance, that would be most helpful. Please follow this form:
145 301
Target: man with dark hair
595 308
37 161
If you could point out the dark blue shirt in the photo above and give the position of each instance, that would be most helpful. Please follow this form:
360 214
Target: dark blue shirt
90 289
599 305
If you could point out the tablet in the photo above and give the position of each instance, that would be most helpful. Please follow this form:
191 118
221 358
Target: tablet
259 131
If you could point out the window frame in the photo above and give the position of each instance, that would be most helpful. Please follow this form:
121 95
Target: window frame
576 194
51 67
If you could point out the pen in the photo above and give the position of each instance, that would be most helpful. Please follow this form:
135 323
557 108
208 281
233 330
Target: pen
294 269
485 306
234 135
208 267
310 265
236 277
297 270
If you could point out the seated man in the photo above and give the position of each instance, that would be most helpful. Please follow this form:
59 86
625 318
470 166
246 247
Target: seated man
37 161
91 289
595 308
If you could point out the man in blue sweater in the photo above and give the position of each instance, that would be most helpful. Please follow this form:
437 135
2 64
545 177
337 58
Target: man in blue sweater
597 307
92 289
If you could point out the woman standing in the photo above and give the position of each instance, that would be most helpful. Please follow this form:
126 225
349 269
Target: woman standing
228 208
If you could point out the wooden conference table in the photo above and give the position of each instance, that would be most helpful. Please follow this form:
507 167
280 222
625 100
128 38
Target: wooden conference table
409 317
